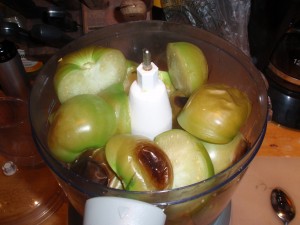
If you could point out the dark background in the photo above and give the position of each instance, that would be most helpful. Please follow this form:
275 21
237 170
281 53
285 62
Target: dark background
269 20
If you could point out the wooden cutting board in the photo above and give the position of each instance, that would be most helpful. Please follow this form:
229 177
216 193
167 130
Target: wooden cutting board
251 201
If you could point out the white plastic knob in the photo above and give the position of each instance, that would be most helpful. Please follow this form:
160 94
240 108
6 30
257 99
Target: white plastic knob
9 168
121 211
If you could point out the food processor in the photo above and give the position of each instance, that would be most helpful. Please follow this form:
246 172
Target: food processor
202 203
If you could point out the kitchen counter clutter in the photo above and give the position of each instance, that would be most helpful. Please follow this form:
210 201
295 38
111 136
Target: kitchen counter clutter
278 155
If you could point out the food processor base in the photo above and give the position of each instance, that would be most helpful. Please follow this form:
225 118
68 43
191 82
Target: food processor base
224 219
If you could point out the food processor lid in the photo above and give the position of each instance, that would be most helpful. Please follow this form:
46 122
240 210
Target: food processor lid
121 211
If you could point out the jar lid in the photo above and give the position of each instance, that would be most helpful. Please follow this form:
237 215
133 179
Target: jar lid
8 51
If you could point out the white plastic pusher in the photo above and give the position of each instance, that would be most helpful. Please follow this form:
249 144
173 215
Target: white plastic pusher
150 108
121 211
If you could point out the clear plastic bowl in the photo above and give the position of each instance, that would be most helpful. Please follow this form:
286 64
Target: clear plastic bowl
202 202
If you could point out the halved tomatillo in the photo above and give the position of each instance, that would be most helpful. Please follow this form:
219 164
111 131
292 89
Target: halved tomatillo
88 71
215 113
139 163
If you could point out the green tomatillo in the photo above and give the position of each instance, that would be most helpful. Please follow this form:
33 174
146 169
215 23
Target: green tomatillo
116 96
140 163
131 74
165 78
215 113
189 158
225 155
187 66
80 123
88 71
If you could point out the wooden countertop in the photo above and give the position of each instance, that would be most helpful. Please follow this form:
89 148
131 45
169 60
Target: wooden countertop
279 141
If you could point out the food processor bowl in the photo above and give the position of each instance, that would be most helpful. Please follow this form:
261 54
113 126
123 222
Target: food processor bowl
199 203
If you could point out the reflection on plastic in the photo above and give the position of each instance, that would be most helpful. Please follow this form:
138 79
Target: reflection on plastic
16 142
225 18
